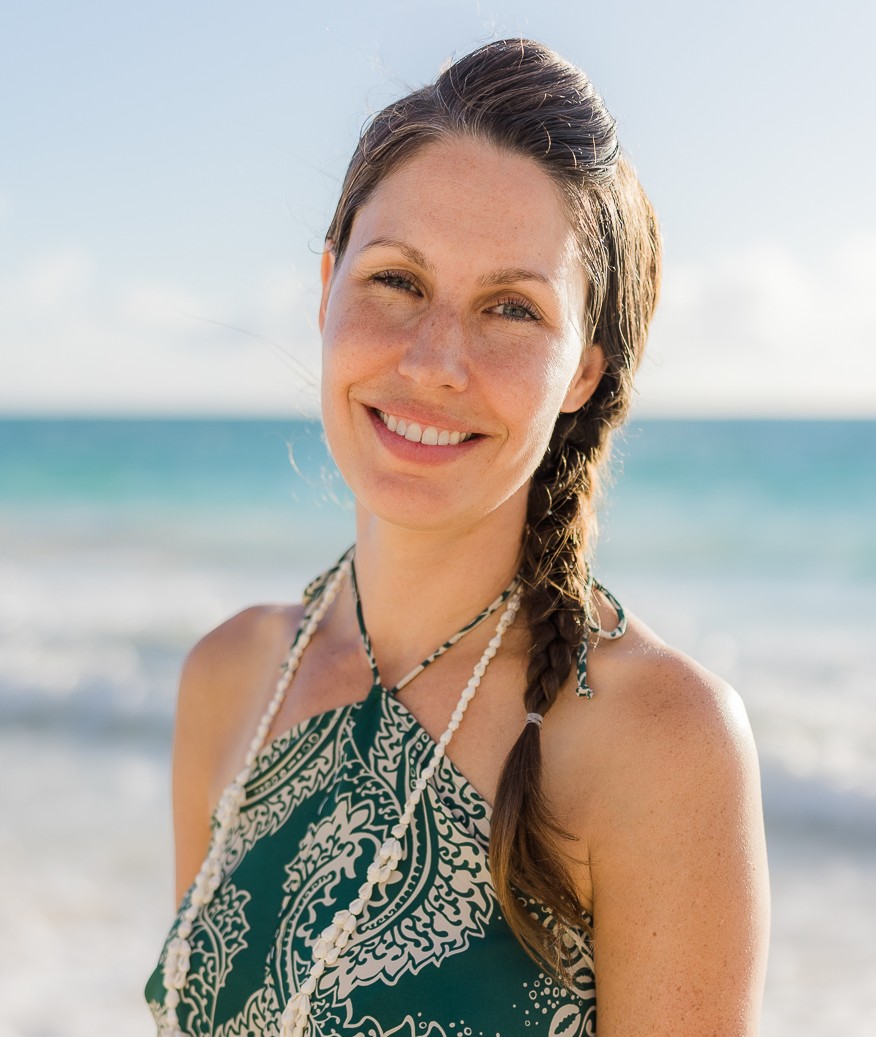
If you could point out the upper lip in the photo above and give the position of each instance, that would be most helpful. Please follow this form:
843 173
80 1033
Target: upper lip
423 416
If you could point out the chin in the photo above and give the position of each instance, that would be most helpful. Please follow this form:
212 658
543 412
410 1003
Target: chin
415 517
417 511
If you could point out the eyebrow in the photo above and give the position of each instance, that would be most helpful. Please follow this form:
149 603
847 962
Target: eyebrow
507 275
511 275
408 251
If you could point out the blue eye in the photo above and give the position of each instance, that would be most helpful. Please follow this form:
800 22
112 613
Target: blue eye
395 279
516 309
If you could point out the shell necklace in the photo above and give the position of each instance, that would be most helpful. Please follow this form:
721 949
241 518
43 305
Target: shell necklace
295 1019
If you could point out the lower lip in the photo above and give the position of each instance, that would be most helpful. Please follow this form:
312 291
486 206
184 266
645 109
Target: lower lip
422 453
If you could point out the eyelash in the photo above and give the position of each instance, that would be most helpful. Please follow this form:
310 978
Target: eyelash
520 304
390 278
403 282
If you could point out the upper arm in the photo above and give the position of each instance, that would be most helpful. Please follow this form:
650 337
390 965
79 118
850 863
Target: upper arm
224 685
678 863
193 752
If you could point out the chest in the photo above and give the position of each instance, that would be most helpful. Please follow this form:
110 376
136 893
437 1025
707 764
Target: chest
318 804
333 673
332 677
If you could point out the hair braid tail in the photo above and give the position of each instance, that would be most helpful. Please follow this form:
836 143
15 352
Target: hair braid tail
523 849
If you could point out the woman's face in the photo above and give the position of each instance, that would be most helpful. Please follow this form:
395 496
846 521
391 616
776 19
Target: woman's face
452 337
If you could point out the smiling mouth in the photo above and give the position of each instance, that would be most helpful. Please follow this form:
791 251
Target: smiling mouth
428 435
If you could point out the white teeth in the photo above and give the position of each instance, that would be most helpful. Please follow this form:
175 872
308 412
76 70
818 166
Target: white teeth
428 436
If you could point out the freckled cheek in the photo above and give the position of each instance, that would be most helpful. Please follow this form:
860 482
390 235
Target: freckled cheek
353 342
535 381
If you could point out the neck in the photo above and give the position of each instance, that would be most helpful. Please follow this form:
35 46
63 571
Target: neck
419 586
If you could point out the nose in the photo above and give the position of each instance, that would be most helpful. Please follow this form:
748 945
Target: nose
435 356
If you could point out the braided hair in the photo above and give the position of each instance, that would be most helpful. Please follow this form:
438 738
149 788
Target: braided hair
522 97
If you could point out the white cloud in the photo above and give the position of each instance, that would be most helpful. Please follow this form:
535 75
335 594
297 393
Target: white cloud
75 345
56 280
159 308
758 332
763 332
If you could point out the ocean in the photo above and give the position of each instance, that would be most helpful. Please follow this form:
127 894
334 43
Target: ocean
749 544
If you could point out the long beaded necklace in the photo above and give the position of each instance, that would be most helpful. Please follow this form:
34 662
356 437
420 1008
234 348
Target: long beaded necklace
334 938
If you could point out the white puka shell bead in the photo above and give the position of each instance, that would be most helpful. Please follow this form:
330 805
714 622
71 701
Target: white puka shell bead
392 848
333 939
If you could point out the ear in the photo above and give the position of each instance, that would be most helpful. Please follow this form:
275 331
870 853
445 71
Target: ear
591 368
326 270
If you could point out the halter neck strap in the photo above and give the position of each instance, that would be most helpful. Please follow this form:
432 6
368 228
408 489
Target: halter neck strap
494 606
583 690
314 590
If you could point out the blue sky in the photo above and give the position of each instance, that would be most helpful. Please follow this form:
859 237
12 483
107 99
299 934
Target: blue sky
168 171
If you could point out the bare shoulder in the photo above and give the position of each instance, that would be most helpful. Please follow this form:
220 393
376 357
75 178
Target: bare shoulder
661 733
666 800
225 683
664 707
656 714
227 658
226 675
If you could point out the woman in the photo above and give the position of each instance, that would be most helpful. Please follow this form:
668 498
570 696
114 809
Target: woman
541 813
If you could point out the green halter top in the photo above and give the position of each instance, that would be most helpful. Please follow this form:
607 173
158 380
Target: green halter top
435 957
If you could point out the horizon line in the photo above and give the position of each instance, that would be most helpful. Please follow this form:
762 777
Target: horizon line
254 416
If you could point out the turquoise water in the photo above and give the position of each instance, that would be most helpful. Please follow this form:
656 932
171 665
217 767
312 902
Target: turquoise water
751 545
772 497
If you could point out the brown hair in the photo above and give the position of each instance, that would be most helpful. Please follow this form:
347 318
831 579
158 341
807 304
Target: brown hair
520 96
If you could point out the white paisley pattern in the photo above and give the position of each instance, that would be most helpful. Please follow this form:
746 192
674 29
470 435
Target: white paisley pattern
432 956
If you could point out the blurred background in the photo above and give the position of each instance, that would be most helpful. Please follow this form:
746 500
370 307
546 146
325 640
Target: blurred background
167 174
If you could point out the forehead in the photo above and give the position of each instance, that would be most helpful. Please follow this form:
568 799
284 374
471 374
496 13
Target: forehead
488 205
